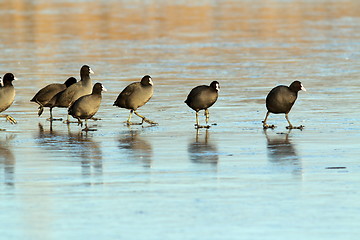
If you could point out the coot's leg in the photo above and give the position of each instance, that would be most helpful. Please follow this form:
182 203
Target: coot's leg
86 129
51 117
207 115
144 119
68 120
128 122
197 125
41 110
266 126
80 122
9 118
290 125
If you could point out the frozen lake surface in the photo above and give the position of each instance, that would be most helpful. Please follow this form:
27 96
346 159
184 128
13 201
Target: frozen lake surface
233 181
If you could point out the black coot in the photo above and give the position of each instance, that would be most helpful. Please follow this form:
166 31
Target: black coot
134 96
280 100
44 95
87 106
77 90
7 95
203 97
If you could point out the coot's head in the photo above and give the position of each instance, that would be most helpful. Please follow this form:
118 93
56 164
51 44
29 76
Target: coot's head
70 81
86 71
98 88
147 81
215 85
296 86
8 78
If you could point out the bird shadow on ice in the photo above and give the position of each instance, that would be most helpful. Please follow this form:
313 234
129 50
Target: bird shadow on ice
76 147
202 150
282 152
136 148
7 161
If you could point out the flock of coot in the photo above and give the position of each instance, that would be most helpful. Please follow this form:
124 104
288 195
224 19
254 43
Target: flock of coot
83 99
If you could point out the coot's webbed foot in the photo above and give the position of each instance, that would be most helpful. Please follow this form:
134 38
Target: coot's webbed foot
149 121
89 129
197 126
80 123
10 119
301 127
54 119
132 123
144 119
266 126
41 110
95 119
68 122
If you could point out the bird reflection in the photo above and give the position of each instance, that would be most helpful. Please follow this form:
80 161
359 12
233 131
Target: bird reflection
282 152
203 151
90 153
7 161
136 147
78 145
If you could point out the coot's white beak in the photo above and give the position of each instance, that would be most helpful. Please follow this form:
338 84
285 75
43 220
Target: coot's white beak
104 89
151 82
302 88
91 71
15 78
218 87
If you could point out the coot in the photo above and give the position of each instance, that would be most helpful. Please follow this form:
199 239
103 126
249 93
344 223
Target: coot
44 95
134 96
280 100
7 95
203 97
87 106
72 93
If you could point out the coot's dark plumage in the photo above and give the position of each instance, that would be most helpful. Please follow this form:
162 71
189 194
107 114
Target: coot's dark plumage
81 88
44 95
203 97
280 100
7 95
134 96
87 106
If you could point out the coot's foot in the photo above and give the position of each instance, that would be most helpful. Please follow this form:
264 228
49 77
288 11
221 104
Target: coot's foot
89 129
149 121
54 119
68 122
10 119
301 127
266 126
132 123
200 126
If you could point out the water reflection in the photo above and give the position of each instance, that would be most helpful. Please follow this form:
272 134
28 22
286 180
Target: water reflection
79 145
202 150
89 151
282 152
7 161
136 148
